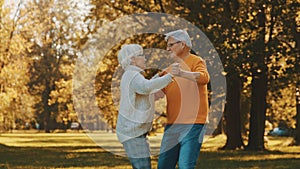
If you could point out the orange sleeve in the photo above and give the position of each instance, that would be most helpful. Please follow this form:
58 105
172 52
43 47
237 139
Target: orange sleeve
200 66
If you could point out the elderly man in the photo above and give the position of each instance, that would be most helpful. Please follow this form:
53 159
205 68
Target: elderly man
187 105
136 105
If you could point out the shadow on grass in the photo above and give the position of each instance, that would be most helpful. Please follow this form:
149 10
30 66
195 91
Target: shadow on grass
58 157
96 157
233 159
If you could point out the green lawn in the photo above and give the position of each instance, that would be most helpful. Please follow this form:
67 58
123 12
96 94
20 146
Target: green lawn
77 150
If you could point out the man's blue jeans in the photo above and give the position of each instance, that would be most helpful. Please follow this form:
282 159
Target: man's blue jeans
181 143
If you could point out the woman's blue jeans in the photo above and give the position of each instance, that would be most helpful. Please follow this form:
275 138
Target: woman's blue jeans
181 143
138 152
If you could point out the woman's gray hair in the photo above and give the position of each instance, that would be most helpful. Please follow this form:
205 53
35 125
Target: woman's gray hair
127 52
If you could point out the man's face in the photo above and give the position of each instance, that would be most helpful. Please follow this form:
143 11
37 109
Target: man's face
174 46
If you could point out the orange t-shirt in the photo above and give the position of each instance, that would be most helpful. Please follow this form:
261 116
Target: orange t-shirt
187 100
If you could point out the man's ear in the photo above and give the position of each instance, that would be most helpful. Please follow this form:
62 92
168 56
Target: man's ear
183 45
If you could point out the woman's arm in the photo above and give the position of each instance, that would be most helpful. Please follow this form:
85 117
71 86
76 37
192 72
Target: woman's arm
145 86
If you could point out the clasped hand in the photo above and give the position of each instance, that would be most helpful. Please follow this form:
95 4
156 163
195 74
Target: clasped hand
175 69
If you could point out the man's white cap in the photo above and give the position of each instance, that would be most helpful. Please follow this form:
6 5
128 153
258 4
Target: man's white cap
127 52
180 35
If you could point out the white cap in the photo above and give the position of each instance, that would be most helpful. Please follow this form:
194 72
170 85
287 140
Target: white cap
180 35
127 52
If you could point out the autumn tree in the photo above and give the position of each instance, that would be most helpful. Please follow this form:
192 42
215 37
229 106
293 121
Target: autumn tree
15 107
54 29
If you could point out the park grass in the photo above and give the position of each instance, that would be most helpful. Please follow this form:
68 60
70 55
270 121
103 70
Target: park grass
77 150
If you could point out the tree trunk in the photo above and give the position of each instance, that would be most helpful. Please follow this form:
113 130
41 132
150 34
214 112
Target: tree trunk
297 130
233 115
297 70
257 112
47 109
219 129
259 90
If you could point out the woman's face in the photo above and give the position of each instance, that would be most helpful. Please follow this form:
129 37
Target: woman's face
139 61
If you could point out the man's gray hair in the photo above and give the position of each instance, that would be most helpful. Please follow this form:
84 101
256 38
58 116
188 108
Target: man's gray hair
180 35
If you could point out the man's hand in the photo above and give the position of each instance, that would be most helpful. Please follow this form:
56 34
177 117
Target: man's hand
158 95
175 69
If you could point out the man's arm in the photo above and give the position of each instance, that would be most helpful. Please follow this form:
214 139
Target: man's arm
195 76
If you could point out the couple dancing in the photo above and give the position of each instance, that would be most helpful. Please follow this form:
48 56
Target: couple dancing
185 85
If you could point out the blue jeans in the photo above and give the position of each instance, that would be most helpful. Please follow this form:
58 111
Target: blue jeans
138 152
181 143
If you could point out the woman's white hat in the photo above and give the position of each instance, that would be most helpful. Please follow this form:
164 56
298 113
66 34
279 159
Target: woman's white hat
127 52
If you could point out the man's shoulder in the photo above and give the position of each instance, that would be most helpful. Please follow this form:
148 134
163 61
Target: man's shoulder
194 57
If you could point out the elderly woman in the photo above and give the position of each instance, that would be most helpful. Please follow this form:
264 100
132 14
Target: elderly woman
136 105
